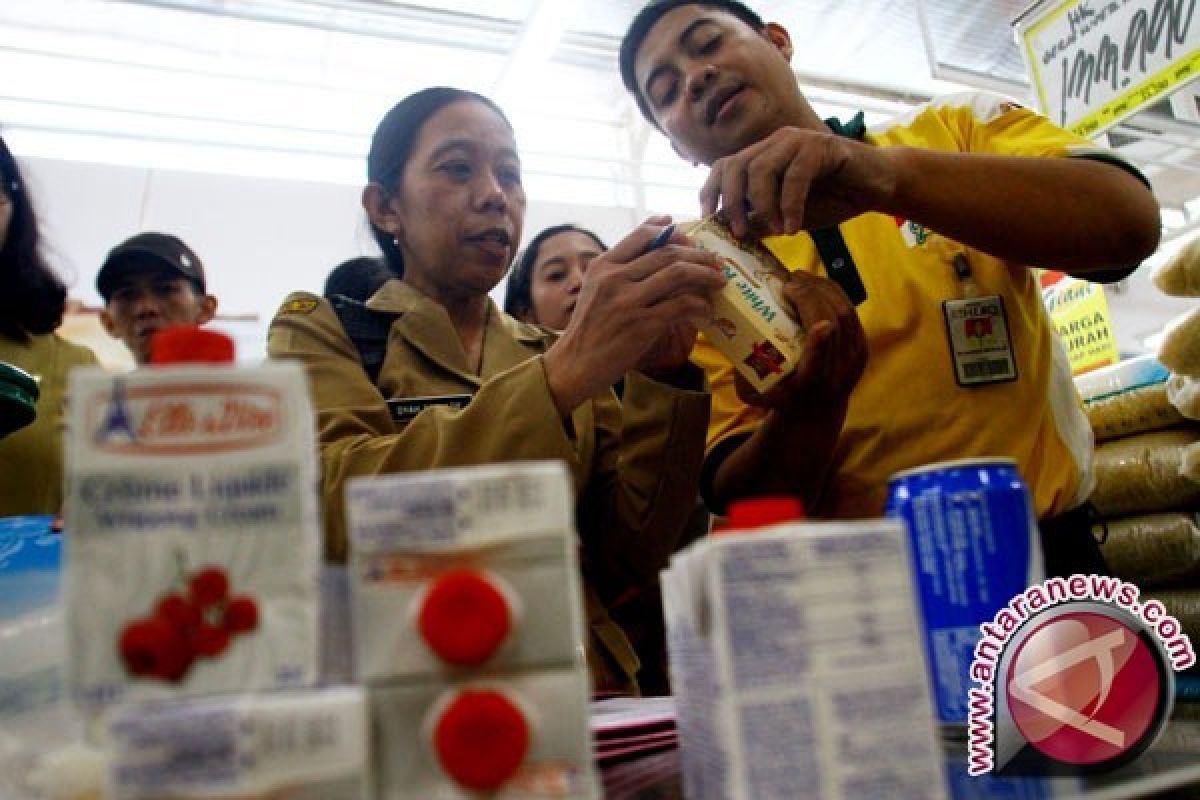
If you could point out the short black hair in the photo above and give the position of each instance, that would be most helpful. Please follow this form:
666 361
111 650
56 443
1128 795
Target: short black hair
32 296
393 143
357 278
646 19
518 295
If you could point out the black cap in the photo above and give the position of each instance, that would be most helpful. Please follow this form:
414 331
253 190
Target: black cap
162 249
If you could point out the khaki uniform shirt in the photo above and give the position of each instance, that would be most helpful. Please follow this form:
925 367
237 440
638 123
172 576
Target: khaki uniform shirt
635 467
33 456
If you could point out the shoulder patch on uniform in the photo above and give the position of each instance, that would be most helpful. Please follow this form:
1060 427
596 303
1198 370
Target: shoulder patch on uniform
300 305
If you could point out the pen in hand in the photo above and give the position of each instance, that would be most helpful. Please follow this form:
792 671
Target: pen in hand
661 239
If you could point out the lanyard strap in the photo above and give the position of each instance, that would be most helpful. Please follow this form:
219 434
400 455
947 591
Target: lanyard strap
839 264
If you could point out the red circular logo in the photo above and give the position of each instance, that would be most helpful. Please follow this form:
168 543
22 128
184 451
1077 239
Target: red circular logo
1086 688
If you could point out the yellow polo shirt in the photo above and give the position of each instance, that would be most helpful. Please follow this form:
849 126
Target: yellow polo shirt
908 409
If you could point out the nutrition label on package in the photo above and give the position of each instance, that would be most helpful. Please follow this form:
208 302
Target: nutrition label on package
824 649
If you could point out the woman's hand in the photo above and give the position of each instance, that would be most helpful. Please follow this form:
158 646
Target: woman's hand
635 310
798 179
835 348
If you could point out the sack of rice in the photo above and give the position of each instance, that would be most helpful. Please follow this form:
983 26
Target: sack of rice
1183 605
1189 462
1127 398
1153 549
1184 393
1180 276
1141 474
1180 348
1145 408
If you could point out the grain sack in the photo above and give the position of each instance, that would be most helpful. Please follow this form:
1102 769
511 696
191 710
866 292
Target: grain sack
1141 474
1145 408
1127 398
1184 393
1183 605
1180 348
1180 276
1189 462
1152 550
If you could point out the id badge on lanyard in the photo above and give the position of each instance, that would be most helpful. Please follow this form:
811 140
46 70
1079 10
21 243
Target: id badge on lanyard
977 327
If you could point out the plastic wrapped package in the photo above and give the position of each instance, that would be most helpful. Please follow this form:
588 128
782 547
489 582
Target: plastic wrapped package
1127 398
1125 376
1142 474
1189 462
1180 348
1152 549
1183 605
1180 276
1145 408
1184 393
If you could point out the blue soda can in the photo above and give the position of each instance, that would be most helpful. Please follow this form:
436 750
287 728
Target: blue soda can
974 544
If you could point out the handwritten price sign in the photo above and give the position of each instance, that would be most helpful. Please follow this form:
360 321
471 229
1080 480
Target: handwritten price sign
1095 62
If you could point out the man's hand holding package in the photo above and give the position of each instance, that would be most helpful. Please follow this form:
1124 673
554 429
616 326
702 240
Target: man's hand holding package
835 348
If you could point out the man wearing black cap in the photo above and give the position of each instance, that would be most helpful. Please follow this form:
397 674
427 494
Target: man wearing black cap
149 282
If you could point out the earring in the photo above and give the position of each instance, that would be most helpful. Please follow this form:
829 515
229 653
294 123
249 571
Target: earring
396 242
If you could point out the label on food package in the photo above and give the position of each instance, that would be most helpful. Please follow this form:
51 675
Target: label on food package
812 652
248 746
194 535
481 549
552 704
447 509
750 324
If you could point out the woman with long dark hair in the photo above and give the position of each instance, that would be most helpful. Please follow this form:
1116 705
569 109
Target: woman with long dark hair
446 205
544 284
32 300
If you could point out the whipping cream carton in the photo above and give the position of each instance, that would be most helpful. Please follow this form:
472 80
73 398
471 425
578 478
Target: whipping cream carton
796 663
193 534
298 745
750 324
468 631
501 735
456 569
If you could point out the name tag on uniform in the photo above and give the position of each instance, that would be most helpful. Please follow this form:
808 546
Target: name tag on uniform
404 409
980 344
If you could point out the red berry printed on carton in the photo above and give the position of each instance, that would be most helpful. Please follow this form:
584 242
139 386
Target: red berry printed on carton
152 647
241 615
179 612
209 586
186 627
210 640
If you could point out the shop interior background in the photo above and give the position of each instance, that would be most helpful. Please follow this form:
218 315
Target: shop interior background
242 125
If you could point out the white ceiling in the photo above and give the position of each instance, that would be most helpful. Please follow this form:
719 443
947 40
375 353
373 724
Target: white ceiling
293 88
255 84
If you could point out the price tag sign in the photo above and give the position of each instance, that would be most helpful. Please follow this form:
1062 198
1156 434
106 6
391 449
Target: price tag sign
1095 62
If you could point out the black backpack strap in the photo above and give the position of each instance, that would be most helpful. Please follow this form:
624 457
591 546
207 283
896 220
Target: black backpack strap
839 264
367 328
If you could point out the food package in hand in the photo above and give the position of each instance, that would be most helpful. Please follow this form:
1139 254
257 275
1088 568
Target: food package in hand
750 324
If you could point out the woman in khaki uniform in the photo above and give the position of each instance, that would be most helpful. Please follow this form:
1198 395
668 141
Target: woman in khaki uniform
460 383
32 299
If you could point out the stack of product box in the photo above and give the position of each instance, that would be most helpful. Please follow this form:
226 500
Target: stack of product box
797 666
191 559
468 632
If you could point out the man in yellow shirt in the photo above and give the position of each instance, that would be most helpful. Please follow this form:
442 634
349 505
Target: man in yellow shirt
929 224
